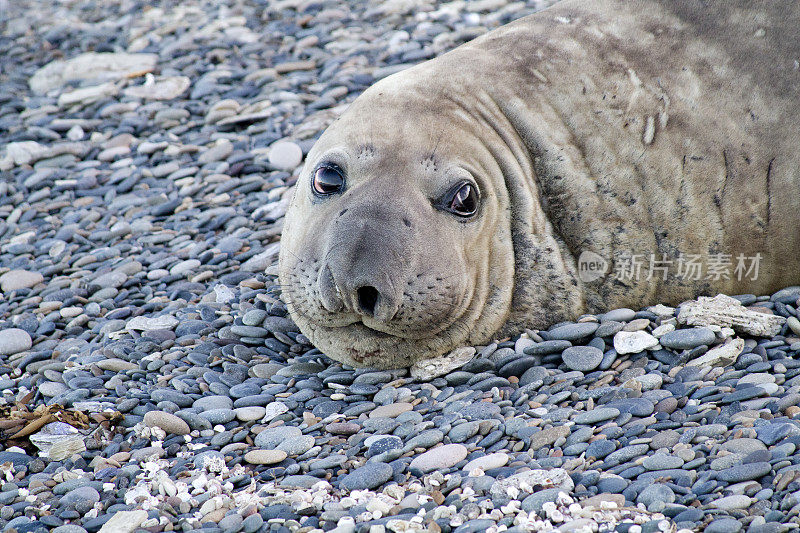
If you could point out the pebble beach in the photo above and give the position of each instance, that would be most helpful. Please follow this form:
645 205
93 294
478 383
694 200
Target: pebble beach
151 378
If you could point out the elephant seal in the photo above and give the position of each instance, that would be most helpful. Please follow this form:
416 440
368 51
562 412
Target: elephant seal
481 192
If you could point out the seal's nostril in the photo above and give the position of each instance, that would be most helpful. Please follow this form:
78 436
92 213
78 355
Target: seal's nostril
367 299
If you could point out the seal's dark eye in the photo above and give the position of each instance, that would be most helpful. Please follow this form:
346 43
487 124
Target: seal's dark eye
464 200
327 180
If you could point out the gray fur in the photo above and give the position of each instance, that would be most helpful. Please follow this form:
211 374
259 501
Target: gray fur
648 126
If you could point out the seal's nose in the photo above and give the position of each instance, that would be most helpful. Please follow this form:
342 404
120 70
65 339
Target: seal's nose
372 296
366 261
367 299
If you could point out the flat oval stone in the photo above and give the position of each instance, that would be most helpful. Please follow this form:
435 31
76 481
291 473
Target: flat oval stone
168 422
547 347
723 525
250 413
599 449
285 155
687 339
343 428
634 406
440 458
655 495
743 445
487 462
369 476
662 461
744 472
548 436
116 365
582 358
14 280
297 445
735 501
14 340
124 521
627 453
52 388
390 411
622 314
596 415
383 444
218 416
270 438
265 457
570 332
665 439
207 403
536 501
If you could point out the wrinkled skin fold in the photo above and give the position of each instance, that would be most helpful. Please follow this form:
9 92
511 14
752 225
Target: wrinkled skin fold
644 127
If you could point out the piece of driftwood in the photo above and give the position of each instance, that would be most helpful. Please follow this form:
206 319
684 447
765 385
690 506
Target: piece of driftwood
530 479
722 355
725 311
428 369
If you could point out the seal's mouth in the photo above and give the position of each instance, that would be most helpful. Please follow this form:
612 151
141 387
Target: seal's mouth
362 328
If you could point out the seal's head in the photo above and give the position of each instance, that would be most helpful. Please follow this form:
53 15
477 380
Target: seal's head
416 227
397 246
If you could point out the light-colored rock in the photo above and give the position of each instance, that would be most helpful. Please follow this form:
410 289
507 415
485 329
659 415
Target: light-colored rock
548 436
735 501
439 458
272 410
101 66
428 369
29 152
758 378
259 262
14 280
297 445
124 522
87 95
144 323
662 310
58 441
221 110
725 311
392 410
579 525
794 324
216 151
184 267
626 342
14 340
722 355
285 155
265 457
250 413
166 421
601 501
557 478
493 460
663 329
52 388
116 365
163 88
